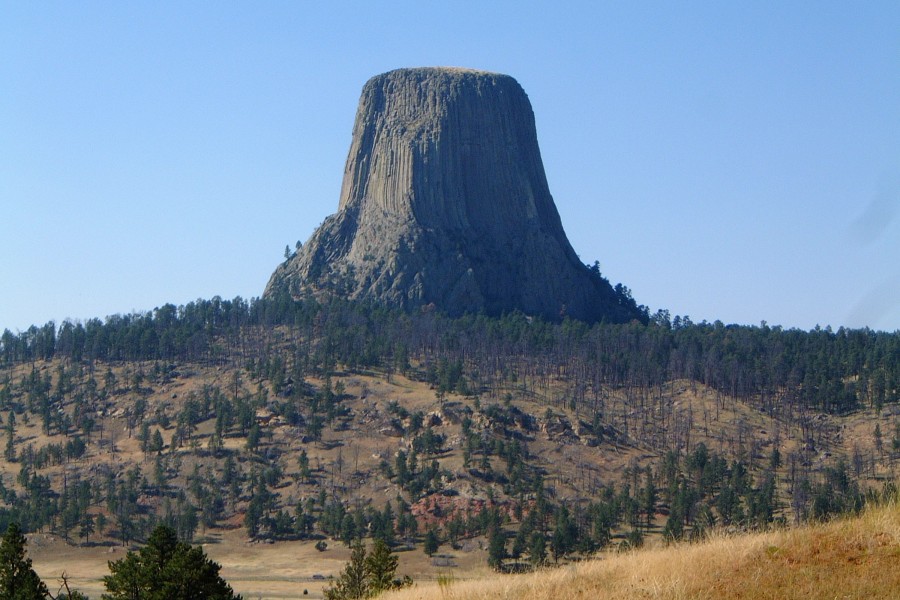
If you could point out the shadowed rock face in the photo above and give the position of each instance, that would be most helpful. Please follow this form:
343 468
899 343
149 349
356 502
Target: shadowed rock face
445 202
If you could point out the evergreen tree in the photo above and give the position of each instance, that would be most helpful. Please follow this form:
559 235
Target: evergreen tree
432 542
303 463
674 529
18 581
87 526
648 497
353 582
496 547
565 534
381 565
365 575
156 442
9 453
519 543
537 551
166 569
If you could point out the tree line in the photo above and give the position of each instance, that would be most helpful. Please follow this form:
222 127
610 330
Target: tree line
779 369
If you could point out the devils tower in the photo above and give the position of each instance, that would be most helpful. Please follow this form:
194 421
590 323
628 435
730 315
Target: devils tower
445 201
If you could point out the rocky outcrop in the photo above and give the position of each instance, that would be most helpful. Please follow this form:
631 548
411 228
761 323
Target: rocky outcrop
445 201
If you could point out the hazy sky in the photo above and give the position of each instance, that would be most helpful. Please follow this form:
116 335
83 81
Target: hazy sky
725 160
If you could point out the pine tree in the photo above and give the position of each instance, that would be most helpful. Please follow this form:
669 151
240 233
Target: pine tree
519 543
10 452
432 543
496 547
166 569
365 575
156 442
353 582
303 463
381 565
537 552
648 497
87 526
18 581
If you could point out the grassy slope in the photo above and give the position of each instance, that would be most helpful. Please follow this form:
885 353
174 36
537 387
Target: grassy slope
851 558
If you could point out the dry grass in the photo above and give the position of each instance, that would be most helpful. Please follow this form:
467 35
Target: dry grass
853 558
257 571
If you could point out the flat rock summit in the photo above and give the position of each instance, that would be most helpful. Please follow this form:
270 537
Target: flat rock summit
445 202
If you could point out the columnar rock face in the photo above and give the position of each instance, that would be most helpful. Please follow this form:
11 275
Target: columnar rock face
445 202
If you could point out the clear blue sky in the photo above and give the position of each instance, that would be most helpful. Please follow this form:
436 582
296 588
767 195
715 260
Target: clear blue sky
725 160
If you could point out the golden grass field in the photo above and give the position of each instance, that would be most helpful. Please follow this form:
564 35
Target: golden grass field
257 571
856 558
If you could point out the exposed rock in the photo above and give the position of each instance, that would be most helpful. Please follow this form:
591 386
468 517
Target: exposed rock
445 202
454 412
558 428
390 432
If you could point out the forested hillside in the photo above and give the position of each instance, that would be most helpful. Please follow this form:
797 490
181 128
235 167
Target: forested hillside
831 371
346 420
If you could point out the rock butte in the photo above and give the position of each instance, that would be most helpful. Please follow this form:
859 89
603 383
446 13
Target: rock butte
445 201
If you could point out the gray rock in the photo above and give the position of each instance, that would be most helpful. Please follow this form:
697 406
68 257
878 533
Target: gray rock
445 202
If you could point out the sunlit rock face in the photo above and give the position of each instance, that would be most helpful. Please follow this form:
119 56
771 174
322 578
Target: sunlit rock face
445 202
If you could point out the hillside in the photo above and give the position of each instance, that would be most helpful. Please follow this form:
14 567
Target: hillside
847 558
263 429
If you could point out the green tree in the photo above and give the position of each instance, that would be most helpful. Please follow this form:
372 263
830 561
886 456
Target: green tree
253 436
9 453
353 582
648 497
87 527
519 545
365 575
144 437
674 529
348 529
127 580
166 569
565 534
381 565
18 581
537 551
496 547
156 442
303 463
431 542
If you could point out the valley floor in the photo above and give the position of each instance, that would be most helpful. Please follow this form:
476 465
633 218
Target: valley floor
258 571
852 558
